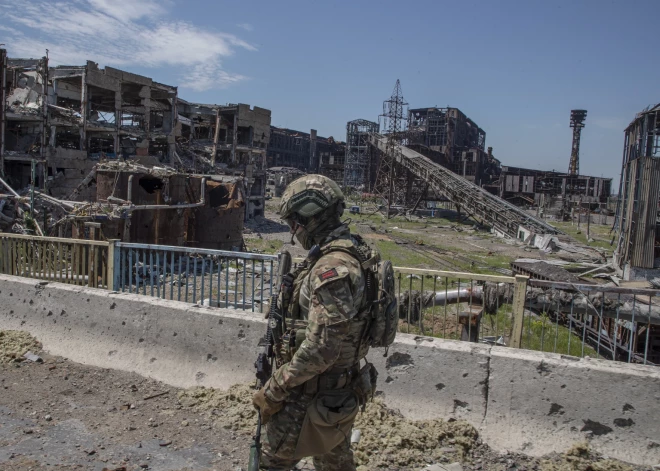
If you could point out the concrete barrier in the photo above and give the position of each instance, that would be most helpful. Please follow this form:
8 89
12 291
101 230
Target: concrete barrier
520 400
544 402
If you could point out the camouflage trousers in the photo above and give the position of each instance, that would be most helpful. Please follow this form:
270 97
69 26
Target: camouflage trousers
282 433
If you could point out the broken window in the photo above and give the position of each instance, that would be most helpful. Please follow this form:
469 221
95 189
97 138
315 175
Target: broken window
151 184
219 196
244 136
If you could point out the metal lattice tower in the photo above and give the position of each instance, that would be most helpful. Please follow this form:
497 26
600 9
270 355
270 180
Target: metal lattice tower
357 166
391 180
577 123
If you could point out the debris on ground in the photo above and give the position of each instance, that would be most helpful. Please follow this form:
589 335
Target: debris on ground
232 408
14 344
212 428
581 458
390 441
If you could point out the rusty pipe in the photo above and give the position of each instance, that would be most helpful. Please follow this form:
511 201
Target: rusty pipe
202 202
129 191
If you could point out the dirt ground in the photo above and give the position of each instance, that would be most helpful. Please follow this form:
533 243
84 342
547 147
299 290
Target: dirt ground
443 243
59 415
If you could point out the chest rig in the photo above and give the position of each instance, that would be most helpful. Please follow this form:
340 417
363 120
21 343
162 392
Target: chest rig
296 293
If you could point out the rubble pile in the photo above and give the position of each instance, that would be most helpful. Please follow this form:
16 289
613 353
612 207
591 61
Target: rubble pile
232 409
390 441
14 344
581 458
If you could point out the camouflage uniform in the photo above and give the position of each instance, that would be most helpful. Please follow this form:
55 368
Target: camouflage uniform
330 296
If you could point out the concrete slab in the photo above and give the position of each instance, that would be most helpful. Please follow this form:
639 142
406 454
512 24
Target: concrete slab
544 402
428 378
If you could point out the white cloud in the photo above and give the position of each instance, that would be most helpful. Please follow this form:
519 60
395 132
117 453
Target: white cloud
246 26
120 33
128 9
203 76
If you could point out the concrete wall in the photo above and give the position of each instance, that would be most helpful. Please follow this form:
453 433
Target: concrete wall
69 167
520 400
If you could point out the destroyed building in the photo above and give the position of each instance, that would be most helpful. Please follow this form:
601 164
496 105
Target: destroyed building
234 138
450 138
638 246
525 186
360 168
81 115
279 178
58 123
307 151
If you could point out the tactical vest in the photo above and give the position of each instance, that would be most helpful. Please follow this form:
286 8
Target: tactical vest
297 298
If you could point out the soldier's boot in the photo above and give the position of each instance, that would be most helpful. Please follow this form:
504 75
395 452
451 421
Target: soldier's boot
339 459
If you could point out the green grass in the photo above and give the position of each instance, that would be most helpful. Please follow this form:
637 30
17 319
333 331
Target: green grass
599 233
542 334
258 245
539 333
401 256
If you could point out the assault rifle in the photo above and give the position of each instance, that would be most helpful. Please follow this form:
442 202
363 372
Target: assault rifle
266 356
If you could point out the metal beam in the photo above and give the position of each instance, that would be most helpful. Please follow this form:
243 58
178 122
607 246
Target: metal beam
495 212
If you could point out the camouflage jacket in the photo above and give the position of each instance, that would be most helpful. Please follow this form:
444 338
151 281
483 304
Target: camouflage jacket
335 287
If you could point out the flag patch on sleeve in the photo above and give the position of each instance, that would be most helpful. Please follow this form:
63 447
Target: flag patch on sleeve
326 275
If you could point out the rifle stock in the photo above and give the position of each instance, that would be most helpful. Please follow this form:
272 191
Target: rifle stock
264 363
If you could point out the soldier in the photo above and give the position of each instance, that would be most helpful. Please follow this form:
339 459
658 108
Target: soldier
311 401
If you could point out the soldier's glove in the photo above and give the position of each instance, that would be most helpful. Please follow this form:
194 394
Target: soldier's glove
267 406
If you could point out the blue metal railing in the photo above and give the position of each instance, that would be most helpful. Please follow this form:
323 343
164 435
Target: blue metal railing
209 277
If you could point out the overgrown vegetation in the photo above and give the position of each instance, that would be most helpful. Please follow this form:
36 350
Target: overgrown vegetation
258 245
540 333
543 334
598 232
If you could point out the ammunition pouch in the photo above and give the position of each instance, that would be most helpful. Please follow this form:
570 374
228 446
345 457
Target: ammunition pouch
291 340
365 384
327 423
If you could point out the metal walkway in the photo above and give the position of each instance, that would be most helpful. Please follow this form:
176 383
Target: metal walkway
491 210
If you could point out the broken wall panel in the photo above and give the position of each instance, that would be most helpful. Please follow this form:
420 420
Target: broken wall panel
228 139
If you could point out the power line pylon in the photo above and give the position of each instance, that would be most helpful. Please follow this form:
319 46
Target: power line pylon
391 179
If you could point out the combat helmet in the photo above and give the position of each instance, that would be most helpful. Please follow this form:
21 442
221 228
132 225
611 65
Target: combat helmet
310 196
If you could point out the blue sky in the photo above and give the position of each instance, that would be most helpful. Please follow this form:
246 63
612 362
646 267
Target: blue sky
517 68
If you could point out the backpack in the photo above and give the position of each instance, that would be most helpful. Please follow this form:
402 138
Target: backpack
380 289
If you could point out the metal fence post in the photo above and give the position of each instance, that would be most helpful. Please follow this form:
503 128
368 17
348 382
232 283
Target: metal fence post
114 266
518 307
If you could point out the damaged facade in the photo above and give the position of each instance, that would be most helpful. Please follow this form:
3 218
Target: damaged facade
307 151
525 186
638 246
450 138
234 138
59 122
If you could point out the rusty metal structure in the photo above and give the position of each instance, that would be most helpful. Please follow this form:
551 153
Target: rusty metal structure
505 218
358 163
459 140
577 123
638 243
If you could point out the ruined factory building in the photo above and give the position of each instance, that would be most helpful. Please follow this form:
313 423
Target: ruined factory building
60 123
159 206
